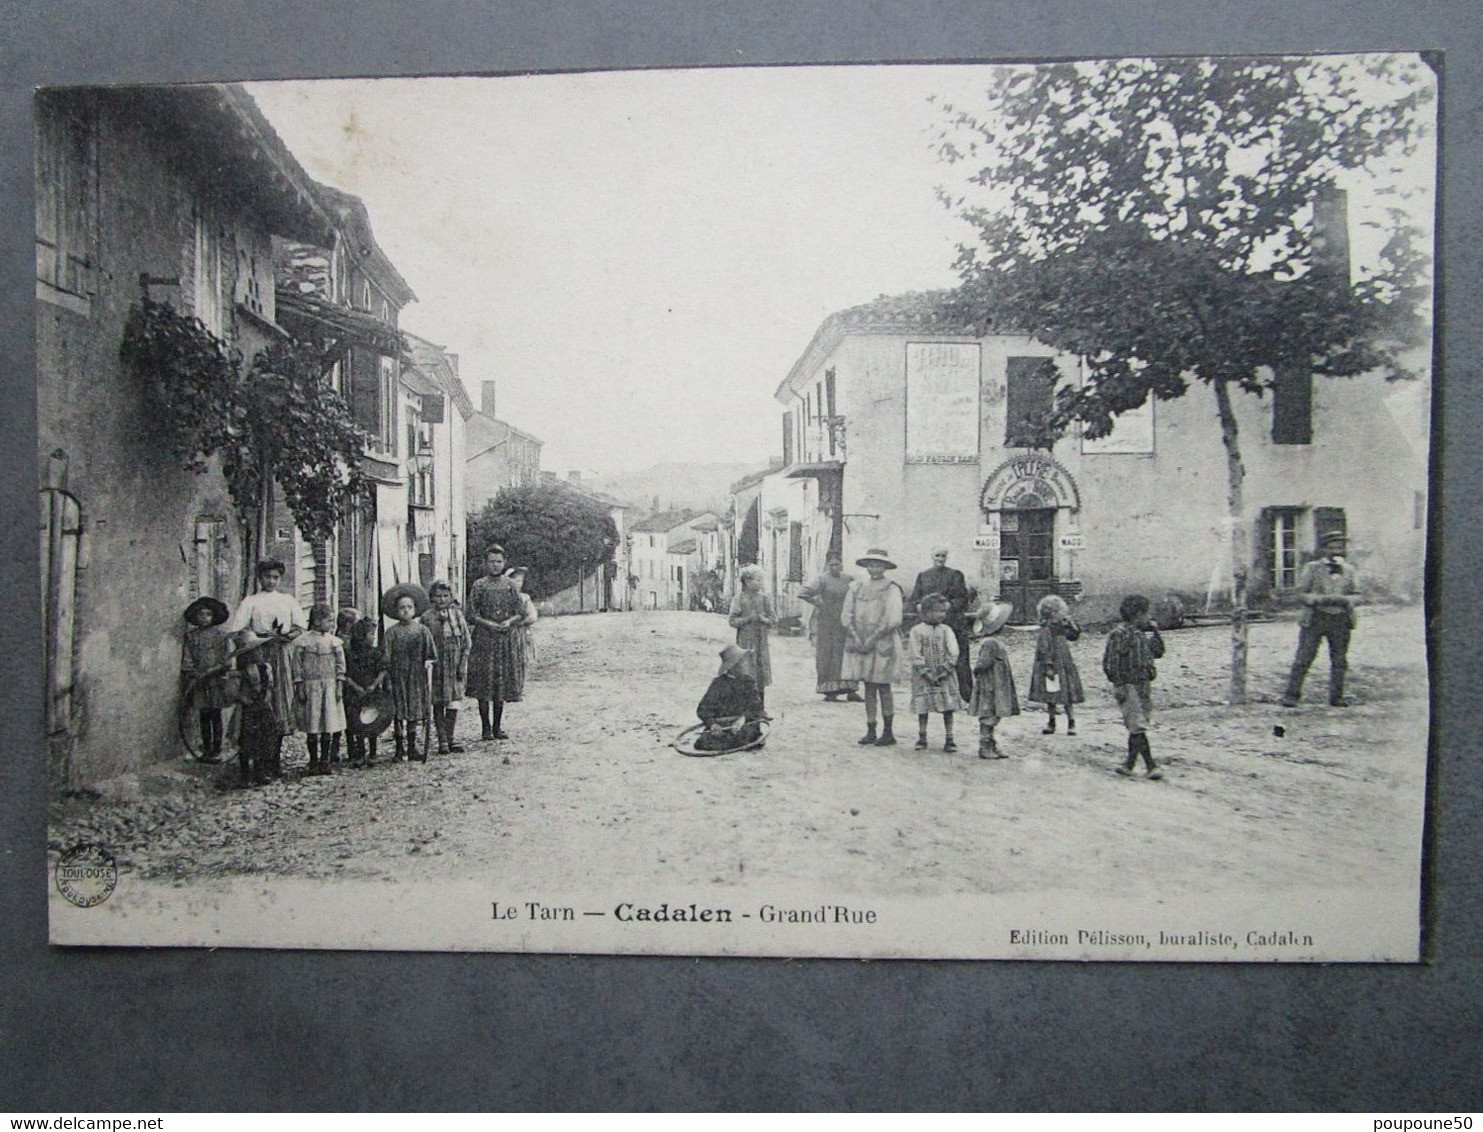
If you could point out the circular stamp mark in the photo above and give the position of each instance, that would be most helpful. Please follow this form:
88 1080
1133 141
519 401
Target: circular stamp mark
86 875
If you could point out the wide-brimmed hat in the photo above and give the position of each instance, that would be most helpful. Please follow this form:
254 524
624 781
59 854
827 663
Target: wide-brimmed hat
420 600
1334 539
731 656
217 607
372 716
990 617
876 554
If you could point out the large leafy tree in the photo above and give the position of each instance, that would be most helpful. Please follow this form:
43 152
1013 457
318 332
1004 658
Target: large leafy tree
1155 217
557 533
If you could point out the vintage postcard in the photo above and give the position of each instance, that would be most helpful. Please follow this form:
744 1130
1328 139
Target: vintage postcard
934 511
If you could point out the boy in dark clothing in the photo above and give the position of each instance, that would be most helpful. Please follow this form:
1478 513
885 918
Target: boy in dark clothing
1128 659
731 708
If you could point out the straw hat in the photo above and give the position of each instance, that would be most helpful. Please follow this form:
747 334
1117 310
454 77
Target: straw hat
990 617
215 605
420 600
876 554
373 716
731 656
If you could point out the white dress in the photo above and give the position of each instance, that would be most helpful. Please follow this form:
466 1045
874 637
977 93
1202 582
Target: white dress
870 607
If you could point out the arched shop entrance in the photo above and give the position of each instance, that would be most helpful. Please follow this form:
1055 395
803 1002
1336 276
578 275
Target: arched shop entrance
1031 508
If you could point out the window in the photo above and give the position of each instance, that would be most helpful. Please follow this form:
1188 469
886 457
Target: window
829 408
1031 384
787 439
795 552
388 412
1279 551
207 273
1292 407
66 192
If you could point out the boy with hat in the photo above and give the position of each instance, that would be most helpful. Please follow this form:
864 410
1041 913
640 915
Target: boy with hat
731 708
871 617
1329 588
204 656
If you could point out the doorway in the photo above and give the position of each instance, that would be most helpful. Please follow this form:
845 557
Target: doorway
1026 559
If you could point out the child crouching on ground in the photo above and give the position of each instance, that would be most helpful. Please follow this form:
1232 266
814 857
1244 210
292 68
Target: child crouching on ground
934 670
731 708
993 680
1132 647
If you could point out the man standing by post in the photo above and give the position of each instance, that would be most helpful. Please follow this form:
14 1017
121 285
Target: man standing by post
952 585
1329 589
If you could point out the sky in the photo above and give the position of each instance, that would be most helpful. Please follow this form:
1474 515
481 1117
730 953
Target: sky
637 258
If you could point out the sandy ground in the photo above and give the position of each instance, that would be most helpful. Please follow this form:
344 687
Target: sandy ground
587 785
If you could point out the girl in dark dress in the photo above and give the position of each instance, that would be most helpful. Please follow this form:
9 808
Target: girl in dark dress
1055 679
365 675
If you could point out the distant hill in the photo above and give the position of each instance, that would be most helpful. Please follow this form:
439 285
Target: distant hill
699 487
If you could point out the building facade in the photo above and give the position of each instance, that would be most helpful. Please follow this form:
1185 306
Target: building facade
905 430
498 455
176 195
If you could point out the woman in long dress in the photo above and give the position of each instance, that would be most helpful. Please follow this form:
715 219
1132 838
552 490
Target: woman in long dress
752 617
826 594
873 645
497 660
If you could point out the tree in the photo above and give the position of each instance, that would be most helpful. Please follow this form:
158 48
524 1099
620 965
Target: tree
276 421
558 534
1156 218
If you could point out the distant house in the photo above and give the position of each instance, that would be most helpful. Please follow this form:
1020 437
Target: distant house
439 409
658 575
498 455
603 586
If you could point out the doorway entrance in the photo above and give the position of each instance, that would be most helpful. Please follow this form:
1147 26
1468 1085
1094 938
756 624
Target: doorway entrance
1026 559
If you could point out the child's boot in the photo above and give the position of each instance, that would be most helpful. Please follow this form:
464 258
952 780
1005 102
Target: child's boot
888 738
313 742
868 739
451 715
440 725
401 743
370 749
413 755
335 747
1070 721
1153 769
921 733
1050 723
1132 759
947 727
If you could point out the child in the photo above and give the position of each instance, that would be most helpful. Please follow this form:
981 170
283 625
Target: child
410 654
524 630
203 659
752 617
266 622
993 680
1132 648
934 665
732 706
259 737
319 671
345 621
452 641
1055 679
365 676
871 617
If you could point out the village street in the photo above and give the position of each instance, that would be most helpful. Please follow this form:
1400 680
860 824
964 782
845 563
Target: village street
588 785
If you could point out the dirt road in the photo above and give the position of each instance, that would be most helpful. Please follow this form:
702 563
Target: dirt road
588 785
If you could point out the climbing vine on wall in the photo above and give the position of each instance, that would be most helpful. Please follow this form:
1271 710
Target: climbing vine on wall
274 420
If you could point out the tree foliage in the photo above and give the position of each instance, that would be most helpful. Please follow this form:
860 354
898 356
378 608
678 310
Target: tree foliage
276 419
555 532
1155 217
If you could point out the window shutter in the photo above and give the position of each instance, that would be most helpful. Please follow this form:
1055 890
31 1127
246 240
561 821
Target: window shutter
1292 407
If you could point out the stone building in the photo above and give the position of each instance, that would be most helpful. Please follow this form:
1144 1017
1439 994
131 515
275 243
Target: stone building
905 430
498 455
174 194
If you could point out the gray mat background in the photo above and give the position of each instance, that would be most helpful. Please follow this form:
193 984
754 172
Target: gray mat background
113 1030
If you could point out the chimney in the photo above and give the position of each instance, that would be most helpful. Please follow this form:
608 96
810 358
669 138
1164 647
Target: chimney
486 398
1331 232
